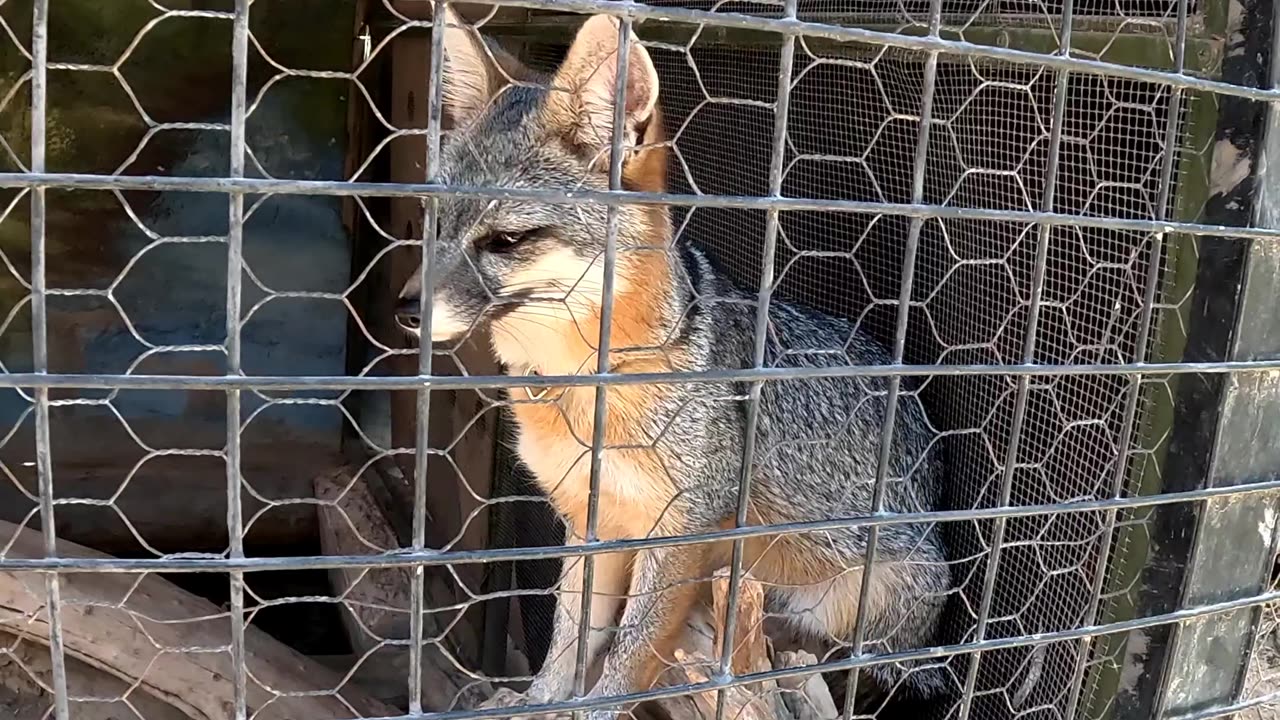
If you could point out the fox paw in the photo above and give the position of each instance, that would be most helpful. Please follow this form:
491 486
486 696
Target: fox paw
507 698
504 698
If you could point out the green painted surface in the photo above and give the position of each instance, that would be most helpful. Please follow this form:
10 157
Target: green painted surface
1132 548
1135 45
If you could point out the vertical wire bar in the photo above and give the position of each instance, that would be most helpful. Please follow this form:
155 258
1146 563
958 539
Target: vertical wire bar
40 350
426 279
599 412
1145 321
1028 358
764 294
235 254
920 164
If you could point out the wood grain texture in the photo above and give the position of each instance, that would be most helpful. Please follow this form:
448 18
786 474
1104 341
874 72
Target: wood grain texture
174 645
375 608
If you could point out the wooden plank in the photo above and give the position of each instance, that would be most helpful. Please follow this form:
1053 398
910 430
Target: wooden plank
193 520
459 421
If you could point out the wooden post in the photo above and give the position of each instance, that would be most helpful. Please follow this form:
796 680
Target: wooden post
462 422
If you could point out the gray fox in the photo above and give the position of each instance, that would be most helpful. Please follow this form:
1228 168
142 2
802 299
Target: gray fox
532 272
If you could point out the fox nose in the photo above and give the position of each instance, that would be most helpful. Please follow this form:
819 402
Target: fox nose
408 317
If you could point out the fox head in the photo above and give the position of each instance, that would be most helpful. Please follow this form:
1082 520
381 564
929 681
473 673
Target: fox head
534 271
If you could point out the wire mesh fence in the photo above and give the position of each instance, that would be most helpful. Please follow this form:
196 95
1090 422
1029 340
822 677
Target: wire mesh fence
792 358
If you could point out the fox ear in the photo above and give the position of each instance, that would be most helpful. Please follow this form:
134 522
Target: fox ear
475 69
585 87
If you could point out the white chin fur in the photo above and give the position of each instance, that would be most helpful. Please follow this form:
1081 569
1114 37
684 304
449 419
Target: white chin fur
445 324
437 336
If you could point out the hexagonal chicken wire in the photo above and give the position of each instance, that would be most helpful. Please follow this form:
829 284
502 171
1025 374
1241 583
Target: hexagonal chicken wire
1064 211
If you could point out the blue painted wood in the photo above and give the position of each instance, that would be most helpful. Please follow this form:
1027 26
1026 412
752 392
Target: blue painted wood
175 294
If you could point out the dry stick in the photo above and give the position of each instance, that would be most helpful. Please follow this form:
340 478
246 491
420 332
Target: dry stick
807 697
697 660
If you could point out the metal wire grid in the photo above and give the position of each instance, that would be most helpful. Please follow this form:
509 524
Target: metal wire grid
836 123
845 141
1025 375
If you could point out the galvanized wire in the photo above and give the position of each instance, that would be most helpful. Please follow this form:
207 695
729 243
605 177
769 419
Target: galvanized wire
426 280
599 409
1134 392
40 350
1044 233
907 287
764 295
36 182
235 273
407 558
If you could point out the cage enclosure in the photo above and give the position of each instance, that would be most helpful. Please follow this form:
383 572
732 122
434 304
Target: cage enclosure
1063 213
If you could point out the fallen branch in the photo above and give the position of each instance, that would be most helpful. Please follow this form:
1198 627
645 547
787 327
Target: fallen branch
170 644
807 697
26 683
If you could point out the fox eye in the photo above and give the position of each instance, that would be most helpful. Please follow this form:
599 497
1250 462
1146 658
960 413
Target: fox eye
500 242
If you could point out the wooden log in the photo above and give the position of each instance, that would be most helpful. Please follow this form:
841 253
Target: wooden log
173 645
376 602
26 679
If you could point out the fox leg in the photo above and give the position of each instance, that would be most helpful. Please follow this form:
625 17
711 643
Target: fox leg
554 681
663 588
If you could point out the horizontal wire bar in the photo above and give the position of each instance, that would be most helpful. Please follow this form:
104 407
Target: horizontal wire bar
941 651
492 382
427 557
78 181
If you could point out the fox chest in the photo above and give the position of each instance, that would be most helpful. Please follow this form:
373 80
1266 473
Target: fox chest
634 490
